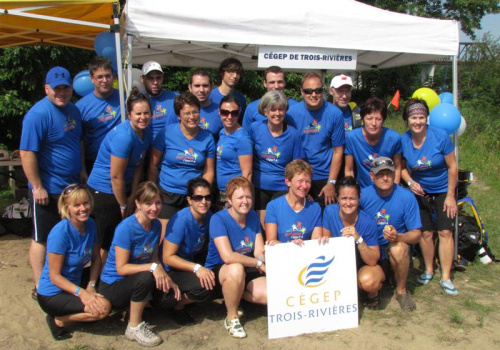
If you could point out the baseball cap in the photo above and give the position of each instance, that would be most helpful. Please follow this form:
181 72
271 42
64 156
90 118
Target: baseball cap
341 79
151 66
58 76
381 163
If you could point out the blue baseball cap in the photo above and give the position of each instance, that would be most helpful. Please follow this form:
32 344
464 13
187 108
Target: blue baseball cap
58 76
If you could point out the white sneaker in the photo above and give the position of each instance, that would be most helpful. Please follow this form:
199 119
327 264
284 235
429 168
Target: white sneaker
234 328
143 335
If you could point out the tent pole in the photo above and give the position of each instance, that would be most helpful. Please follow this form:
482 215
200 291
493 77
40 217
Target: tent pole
116 21
455 138
129 63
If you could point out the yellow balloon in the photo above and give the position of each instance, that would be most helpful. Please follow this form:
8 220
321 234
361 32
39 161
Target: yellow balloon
429 96
352 105
115 83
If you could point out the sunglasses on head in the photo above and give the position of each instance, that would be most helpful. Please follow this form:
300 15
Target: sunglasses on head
73 187
225 112
388 162
310 91
199 197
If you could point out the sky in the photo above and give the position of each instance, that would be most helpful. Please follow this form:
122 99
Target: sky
489 23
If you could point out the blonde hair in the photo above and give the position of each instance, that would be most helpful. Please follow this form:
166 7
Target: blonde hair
74 193
298 166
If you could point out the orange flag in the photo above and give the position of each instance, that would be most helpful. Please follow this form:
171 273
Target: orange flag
395 100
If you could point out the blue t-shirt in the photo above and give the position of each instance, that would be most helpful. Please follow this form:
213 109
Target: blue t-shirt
162 109
427 164
365 225
121 142
252 114
54 134
242 239
272 154
293 225
321 131
65 239
229 148
347 115
363 153
399 209
216 97
184 231
183 159
131 236
99 116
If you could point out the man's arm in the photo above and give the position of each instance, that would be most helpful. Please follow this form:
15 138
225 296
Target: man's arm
329 189
29 162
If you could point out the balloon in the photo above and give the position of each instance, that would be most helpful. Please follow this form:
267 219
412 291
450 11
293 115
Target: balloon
462 127
352 105
82 83
103 41
428 95
115 83
111 55
445 116
136 79
446 97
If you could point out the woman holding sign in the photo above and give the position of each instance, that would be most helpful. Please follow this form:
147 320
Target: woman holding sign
345 219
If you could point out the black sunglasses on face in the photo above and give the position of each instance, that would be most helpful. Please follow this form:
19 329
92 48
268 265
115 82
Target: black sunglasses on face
73 187
225 112
310 91
199 197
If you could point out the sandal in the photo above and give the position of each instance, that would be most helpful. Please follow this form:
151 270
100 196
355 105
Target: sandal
406 302
234 328
424 278
34 294
448 287
59 333
372 303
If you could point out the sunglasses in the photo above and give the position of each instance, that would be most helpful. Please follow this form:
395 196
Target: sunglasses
388 162
310 91
225 113
199 197
73 187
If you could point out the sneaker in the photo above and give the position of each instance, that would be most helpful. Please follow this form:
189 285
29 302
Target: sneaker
234 328
424 278
448 287
143 335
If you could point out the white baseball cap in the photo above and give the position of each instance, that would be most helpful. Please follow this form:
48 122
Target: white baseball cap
340 80
151 66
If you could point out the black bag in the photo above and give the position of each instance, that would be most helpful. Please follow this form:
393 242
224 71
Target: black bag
469 237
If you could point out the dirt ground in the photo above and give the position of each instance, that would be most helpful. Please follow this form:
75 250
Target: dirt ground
469 321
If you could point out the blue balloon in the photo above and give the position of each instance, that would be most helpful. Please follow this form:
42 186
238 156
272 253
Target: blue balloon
445 116
102 41
446 97
111 55
82 83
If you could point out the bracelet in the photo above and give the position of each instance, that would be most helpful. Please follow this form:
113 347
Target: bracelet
332 181
196 268
410 182
360 240
259 263
123 207
77 290
153 267
92 284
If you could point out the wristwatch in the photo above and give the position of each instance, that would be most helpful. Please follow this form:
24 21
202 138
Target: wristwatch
332 182
360 240
259 263
152 268
92 284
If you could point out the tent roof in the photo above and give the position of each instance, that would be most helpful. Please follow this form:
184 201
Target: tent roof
70 23
202 35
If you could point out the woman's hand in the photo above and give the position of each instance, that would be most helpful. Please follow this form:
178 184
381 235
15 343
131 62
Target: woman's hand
163 280
207 278
272 242
323 240
298 241
416 188
262 268
90 298
450 206
350 231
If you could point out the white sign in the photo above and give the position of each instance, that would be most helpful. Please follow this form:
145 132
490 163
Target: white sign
311 288
306 58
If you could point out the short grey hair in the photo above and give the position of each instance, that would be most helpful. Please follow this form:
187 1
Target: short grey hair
273 99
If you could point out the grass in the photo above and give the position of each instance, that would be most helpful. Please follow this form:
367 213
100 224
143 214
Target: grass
456 317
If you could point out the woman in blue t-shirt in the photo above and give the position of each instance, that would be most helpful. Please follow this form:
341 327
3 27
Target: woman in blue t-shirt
133 270
430 170
184 250
292 217
236 253
71 245
345 219
234 148
275 145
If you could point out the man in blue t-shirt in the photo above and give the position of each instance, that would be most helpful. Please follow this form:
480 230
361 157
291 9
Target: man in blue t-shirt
100 109
51 152
396 213
341 90
274 80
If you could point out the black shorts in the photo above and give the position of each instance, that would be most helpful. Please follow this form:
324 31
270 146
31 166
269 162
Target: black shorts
316 187
189 284
45 217
251 273
263 197
137 287
432 204
61 304
107 215
172 203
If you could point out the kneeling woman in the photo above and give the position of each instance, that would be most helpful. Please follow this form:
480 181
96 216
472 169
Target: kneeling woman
345 219
72 243
236 253
133 269
183 248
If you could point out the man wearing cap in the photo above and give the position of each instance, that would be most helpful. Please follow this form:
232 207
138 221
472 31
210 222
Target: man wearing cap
341 89
396 212
51 156
100 109
274 80
162 101
321 128
230 71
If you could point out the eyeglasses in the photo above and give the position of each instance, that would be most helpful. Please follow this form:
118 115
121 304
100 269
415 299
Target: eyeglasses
225 113
193 113
73 187
378 163
102 77
199 197
310 91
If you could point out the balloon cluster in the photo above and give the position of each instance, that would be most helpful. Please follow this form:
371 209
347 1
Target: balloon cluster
443 113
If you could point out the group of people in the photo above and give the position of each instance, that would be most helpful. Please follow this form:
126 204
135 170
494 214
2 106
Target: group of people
190 232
